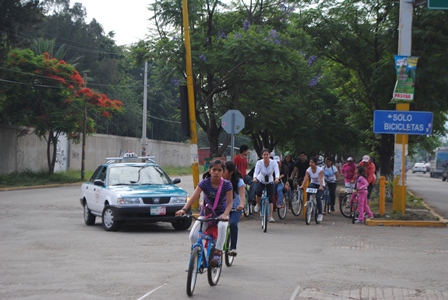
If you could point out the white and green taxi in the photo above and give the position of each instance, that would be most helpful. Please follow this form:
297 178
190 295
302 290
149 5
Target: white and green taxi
127 189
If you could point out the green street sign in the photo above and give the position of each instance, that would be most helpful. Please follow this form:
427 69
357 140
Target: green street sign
437 4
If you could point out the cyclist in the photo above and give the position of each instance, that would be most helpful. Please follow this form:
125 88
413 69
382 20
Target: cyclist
283 185
349 173
300 167
241 160
264 169
363 204
234 176
331 176
217 193
316 176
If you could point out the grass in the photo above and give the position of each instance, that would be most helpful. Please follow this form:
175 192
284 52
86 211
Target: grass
31 178
415 209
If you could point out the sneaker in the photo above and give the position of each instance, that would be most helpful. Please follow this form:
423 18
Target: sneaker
319 218
281 205
271 220
233 252
257 208
216 261
359 221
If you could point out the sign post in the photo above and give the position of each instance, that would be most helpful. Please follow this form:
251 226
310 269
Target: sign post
232 122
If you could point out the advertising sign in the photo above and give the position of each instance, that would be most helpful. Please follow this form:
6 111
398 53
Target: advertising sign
406 67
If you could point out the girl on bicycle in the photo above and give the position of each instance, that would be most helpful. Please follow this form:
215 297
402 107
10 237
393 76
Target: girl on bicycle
363 204
316 176
263 178
239 199
217 193
283 185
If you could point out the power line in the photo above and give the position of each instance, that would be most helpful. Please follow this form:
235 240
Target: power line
31 84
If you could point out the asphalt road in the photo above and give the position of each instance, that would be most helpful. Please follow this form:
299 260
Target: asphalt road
432 190
48 253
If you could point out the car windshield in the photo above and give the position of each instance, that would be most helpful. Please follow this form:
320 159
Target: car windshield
124 175
419 165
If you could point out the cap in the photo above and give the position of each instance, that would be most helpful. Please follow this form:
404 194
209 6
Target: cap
350 159
365 158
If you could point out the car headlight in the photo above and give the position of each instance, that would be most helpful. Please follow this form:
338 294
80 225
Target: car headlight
179 199
129 200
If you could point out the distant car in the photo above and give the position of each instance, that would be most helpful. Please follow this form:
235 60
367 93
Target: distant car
127 189
419 167
428 167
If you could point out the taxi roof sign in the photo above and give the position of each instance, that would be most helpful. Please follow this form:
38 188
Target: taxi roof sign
129 157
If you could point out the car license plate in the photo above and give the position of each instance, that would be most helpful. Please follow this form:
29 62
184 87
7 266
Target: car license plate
158 210
311 191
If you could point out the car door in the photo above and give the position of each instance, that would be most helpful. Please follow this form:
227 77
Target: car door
91 191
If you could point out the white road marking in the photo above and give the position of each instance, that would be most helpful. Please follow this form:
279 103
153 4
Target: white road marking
149 293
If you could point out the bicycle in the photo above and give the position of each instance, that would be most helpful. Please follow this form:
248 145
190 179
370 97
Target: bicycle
326 198
293 202
311 205
248 207
200 257
226 249
344 203
354 207
265 209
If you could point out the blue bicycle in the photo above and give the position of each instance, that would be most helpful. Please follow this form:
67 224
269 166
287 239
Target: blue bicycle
200 258
265 210
326 198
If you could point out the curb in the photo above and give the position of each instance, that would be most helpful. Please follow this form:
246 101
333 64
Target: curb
441 222
18 188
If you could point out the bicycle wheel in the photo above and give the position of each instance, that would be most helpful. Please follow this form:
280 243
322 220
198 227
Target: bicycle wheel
315 214
193 268
296 204
354 212
246 210
326 201
213 274
282 211
344 205
228 258
265 215
309 211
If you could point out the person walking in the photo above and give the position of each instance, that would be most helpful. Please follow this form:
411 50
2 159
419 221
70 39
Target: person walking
241 161
363 205
369 168
349 173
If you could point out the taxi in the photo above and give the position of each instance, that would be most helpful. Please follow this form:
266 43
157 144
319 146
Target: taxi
132 188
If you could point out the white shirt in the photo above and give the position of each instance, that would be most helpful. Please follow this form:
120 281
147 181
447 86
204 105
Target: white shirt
314 177
261 171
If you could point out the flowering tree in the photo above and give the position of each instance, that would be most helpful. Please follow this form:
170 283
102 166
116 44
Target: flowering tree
48 95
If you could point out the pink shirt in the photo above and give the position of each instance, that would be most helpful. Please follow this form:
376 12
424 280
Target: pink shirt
348 170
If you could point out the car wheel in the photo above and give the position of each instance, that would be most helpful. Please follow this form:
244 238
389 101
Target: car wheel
89 218
109 223
182 224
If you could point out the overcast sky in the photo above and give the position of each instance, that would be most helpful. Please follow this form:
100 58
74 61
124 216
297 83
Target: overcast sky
129 19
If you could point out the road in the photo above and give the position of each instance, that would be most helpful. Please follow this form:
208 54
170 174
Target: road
432 190
48 253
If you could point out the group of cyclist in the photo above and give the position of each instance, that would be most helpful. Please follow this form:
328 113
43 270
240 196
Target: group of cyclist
223 186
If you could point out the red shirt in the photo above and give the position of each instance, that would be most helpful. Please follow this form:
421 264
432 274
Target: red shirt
241 164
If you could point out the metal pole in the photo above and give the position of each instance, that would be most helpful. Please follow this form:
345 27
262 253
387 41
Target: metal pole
232 137
145 108
404 48
84 131
191 103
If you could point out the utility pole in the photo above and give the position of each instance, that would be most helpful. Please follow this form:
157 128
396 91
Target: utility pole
401 140
145 108
84 130
191 103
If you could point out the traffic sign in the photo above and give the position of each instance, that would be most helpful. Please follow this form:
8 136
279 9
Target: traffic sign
402 122
437 4
234 117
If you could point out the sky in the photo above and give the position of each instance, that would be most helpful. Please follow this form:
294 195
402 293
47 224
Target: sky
129 19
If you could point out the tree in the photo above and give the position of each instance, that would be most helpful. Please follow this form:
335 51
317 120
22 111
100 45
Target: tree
48 95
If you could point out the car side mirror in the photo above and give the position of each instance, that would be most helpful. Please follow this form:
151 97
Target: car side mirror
176 180
99 182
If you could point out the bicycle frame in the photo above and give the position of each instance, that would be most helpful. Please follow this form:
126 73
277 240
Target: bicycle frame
311 205
265 210
202 238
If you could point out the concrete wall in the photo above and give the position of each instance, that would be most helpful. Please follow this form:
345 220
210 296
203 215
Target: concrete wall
28 152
